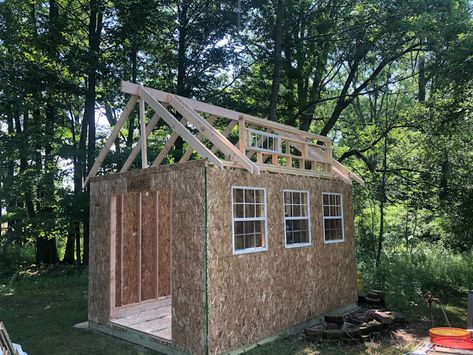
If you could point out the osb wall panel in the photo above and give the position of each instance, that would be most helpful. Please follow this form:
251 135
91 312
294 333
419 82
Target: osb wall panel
256 295
164 244
185 183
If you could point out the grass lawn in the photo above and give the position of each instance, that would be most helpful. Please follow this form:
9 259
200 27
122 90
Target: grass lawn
40 307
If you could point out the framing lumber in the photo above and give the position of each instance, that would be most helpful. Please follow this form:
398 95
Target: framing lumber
179 128
139 145
226 132
167 146
339 167
164 97
242 135
143 135
212 134
199 136
115 132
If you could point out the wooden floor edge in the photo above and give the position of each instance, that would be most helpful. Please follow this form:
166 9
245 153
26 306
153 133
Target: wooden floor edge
292 330
136 337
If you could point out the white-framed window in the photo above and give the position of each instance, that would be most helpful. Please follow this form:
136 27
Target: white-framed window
296 218
263 141
332 205
249 220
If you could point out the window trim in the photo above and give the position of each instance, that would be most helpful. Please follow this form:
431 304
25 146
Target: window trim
257 249
297 245
275 137
332 217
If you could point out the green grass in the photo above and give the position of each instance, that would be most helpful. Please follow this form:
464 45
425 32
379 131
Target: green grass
40 306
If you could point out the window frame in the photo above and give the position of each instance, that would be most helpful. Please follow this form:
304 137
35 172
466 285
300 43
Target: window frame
297 245
334 241
276 139
265 219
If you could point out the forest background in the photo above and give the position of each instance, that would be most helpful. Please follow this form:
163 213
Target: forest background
389 81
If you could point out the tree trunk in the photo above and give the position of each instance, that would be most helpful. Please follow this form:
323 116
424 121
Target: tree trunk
181 88
46 246
443 186
422 79
94 37
383 200
278 36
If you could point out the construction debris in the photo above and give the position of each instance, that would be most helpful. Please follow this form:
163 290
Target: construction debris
358 325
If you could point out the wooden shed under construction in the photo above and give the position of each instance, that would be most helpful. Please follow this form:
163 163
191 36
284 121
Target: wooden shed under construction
248 235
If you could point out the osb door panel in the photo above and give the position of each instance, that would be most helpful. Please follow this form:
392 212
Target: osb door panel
143 246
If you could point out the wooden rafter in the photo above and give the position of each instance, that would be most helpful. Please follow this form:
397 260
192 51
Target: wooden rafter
315 158
143 135
199 136
212 134
139 146
115 132
226 132
167 146
179 128
199 106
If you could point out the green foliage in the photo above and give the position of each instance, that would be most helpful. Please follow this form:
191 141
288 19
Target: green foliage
408 274
390 82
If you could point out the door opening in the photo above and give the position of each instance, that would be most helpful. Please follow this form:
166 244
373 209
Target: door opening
141 258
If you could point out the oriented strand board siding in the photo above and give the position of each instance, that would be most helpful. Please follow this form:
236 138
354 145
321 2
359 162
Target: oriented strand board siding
256 295
149 234
131 250
184 184
101 191
164 243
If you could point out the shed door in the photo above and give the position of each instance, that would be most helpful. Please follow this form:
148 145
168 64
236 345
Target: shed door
143 242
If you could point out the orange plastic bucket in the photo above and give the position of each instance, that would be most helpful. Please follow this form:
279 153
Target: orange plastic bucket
442 332
454 343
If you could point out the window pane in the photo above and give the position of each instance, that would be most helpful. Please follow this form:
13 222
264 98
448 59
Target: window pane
303 199
249 196
304 212
249 211
325 199
238 228
239 242
237 195
238 210
326 211
249 208
287 198
297 236
259 210
304 236
295 207
296 211
259 196
259 226
259 241
333 229
289 237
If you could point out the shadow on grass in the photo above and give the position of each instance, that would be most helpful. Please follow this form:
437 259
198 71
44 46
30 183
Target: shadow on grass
40 307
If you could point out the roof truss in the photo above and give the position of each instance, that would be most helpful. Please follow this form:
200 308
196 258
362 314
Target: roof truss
278 147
